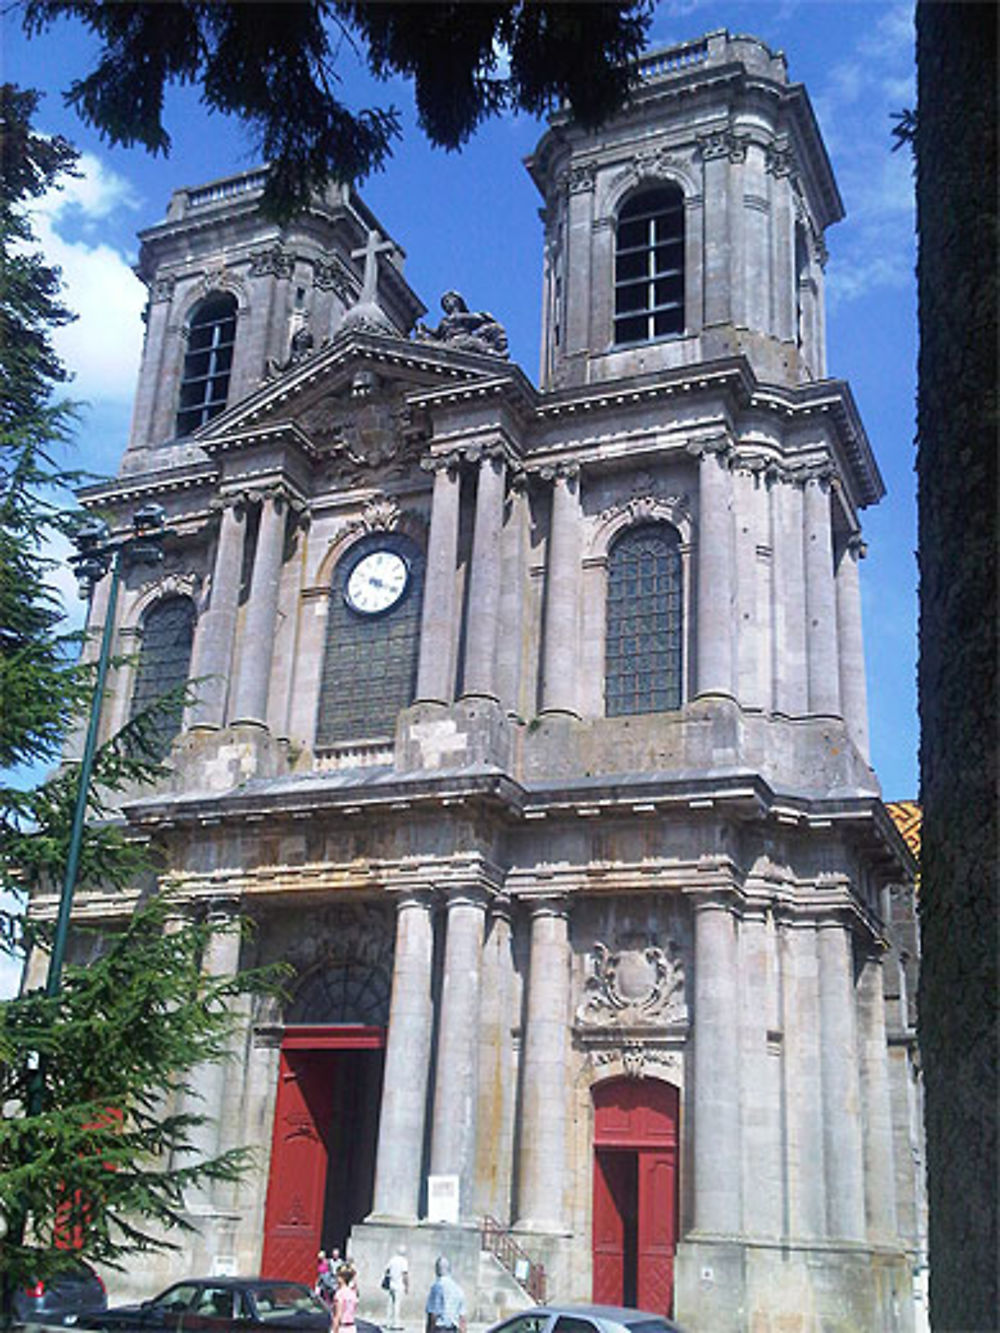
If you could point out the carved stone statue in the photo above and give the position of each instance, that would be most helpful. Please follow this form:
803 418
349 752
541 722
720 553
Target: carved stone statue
469 331
302 345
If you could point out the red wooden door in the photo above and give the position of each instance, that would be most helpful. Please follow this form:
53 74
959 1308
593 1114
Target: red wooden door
610 1211
293 1217
656 1231
635 1193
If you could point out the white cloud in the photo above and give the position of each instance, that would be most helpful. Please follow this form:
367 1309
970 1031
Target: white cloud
854 105
103 345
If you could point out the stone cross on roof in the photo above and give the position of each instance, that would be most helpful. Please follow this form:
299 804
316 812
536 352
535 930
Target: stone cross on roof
370 252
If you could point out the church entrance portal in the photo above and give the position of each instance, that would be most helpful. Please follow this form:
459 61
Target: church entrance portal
323 1145
635 1193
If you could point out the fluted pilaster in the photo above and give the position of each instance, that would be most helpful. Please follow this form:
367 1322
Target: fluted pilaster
436 668
250 704
212 655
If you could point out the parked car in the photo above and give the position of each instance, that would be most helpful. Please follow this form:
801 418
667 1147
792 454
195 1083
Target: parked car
585 1319
225 1304
64 1298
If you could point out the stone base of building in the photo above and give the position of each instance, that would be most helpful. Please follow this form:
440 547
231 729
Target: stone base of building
724 1284
491 1292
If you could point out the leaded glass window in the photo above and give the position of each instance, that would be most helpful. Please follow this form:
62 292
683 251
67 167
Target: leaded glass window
354 993
649 266
207 363
370 661
644 622
164 663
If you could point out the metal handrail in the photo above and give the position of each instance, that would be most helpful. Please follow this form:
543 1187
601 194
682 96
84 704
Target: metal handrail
518 1263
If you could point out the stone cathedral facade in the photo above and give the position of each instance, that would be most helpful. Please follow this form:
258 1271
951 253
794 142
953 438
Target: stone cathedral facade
531 731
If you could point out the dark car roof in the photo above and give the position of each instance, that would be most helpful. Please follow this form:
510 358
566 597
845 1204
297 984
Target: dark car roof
242 1282
617 1312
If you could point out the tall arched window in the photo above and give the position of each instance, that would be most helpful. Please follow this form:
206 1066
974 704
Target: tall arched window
643 647
164 663
649 266
207 362
372 639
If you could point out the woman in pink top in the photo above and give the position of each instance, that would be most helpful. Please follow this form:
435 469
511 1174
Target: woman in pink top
345 1302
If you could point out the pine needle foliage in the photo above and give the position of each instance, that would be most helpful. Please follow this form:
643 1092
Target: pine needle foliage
274 67
107 1162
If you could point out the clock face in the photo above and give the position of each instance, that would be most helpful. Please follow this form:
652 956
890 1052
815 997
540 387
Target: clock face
377 582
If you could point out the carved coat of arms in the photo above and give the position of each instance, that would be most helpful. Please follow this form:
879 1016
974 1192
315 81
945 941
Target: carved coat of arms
638 986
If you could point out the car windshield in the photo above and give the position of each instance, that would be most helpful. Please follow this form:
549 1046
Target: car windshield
648 1326
285 1298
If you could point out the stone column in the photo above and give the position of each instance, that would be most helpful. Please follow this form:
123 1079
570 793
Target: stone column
873 1052
211 1083
779 165
436 668
790 671
717 289
89 652
716 576
159 341
717 1136
560 657
802 1093
250 703
482 623
821 604
497 1076
542 1156
576 319
842 1152
212 655
453 1139
407 1061
853 687
760 1072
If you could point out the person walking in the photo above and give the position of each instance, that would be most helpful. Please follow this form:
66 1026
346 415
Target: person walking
445 1301
345 1302
396 1283
326 1281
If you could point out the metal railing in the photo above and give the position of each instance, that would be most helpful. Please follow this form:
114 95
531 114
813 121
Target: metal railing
522 1268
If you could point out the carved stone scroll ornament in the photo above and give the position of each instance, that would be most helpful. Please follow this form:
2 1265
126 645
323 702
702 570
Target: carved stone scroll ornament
636 1059
466 330
634 987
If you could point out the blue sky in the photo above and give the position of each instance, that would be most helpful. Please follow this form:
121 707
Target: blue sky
469 220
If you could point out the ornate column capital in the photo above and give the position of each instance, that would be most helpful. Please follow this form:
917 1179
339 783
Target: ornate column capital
565 469
720 445
778 159
723 143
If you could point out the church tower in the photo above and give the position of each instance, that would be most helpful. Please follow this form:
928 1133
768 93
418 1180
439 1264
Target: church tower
692 228
531 733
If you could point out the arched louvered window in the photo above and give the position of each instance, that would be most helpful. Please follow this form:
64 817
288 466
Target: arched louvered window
164 663
370 661
649 266
208 362
643 648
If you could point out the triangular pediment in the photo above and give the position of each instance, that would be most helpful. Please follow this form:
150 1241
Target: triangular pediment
357 376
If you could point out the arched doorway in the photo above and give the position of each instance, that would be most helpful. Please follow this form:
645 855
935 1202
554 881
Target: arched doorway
635 1193
325 1117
